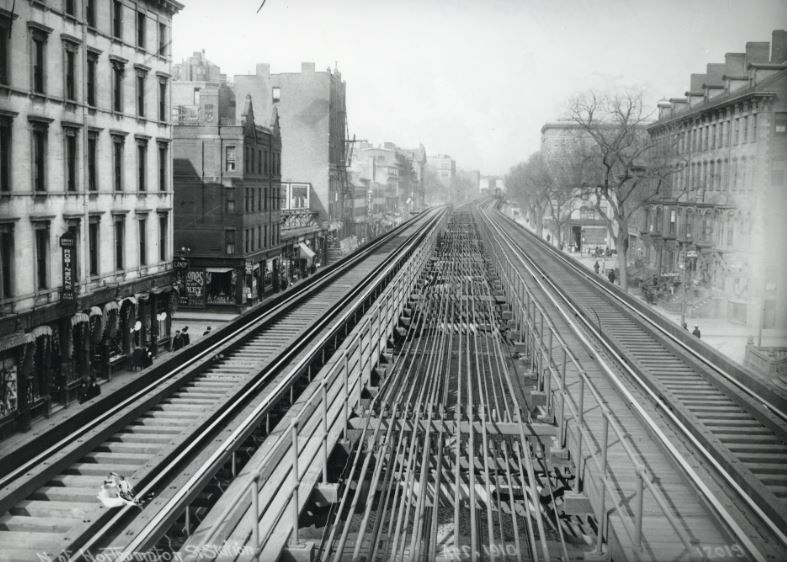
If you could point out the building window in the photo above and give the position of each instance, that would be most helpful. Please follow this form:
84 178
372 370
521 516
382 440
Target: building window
229 205
5 49
141 23
140 93
162 166
118 69
276 94
6 260
120 231
70 149
117 19
162 240
746 129
143 241
229 159
196 96
92 63
39 61
229 242
162 39
117 162
70 8
142 164
92 159
90 12
162 99
5 154
70 72
780 122
42 255
93 246
39 157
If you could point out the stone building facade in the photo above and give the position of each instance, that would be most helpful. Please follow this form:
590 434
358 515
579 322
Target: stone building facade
727 230
85 194
227 198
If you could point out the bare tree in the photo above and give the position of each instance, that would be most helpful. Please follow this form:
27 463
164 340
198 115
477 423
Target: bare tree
529 183
622 164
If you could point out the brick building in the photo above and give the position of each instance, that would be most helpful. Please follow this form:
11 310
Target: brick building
313 113
85 194
227 197
728 226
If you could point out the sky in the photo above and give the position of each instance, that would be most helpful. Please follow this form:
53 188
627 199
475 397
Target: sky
475 79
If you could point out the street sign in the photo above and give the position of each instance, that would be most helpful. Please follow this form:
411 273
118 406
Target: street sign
180 264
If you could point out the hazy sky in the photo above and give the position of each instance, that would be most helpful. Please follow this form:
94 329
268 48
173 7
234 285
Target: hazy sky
475 79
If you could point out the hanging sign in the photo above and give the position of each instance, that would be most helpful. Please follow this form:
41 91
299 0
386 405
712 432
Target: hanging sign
68 249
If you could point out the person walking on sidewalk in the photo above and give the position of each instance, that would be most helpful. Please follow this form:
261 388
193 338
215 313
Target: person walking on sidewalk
596 267
611 276
696 332
206 332
177 341
185 336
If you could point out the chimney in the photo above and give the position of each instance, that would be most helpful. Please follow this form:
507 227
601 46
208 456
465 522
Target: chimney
263 69
664 109
697 81
757 51
715 71
307 67
735 64
779 46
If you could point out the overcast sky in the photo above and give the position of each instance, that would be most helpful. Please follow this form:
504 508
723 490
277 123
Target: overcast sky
475 79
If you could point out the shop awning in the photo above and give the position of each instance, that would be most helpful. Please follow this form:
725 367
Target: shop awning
305 252
78 318
39 331
15 340
132 300
111 305
142 297
95 311
218 269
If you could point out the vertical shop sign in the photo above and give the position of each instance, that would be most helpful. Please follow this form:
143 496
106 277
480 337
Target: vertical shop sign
68 246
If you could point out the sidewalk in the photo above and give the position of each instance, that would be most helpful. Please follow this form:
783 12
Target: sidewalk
724 336
197 321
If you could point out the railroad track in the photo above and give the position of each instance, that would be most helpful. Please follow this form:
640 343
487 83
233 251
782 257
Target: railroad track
444 447
739 432
49 503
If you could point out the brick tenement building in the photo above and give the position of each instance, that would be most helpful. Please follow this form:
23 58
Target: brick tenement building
731 128
85 194
227 196
313 115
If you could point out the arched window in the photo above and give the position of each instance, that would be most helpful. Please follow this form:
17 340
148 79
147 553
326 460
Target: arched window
689 225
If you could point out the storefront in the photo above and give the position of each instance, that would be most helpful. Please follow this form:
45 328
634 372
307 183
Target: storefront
16 353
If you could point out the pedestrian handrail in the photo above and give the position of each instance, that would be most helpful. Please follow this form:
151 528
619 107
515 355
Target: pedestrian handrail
536 333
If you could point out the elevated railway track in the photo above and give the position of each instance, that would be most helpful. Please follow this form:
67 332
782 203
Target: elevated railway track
186 410
460 390
713 410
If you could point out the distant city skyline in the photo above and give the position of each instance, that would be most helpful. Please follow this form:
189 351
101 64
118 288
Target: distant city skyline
476 80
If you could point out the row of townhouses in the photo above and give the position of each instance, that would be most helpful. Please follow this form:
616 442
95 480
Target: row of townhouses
719 226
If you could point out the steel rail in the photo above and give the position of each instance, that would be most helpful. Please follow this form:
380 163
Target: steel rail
220 452
577 410
219 345
776 410
543 281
